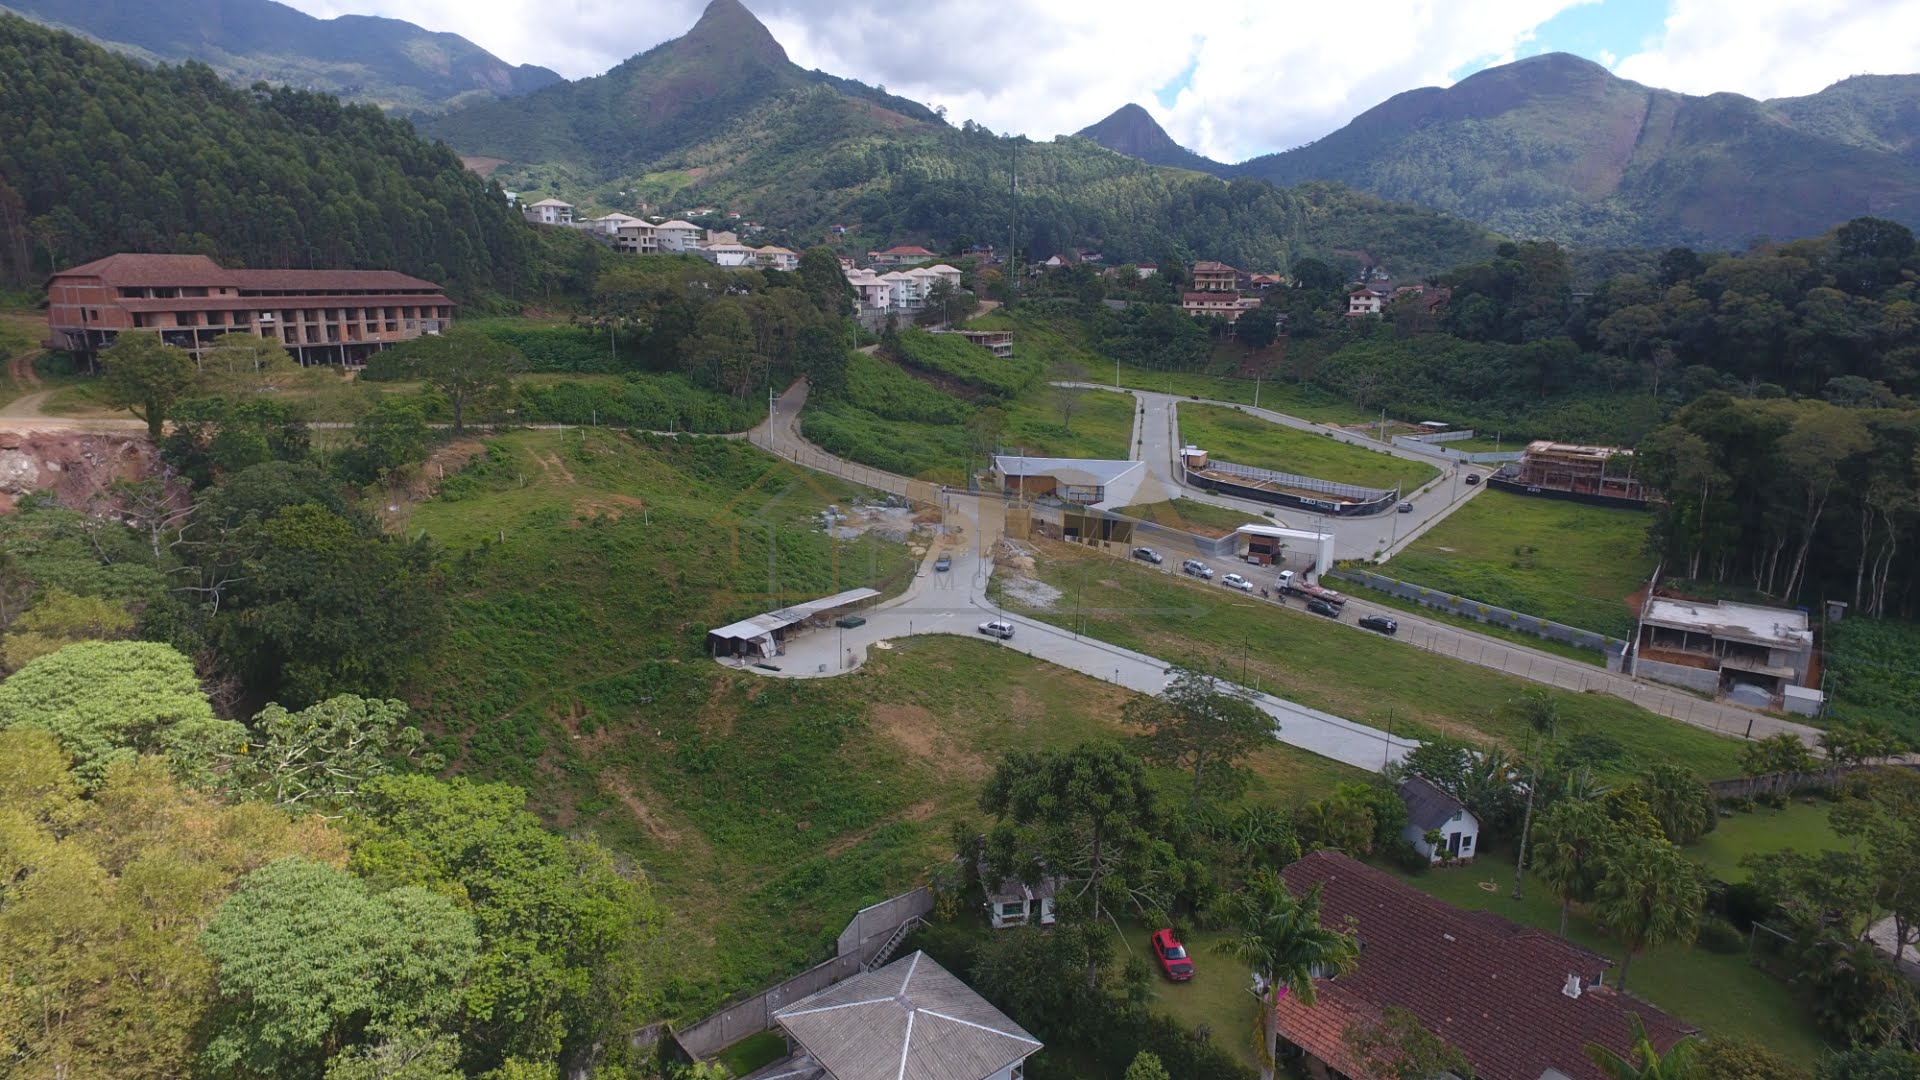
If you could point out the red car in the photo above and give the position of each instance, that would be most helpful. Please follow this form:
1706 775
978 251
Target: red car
1172 955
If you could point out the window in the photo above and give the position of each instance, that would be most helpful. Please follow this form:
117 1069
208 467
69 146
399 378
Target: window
1013 907
1466 843
1019 1070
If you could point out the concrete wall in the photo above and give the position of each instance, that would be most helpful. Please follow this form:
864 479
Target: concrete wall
1430 444
1479 612
1692 678
1379 501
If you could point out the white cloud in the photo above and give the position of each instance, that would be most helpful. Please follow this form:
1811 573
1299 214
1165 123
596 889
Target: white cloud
1776 48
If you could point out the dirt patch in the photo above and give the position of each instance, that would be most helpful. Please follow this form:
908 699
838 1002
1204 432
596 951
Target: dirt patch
663 831
481 166
553 467
20 368
78 469
919 811
610 507
425 482
917 731
890 523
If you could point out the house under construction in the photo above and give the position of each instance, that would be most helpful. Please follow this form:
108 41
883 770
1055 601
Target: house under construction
1596 474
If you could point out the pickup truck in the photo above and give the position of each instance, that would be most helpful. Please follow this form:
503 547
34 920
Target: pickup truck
1293 585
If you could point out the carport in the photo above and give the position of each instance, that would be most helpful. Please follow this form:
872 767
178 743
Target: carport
1265 541
762 636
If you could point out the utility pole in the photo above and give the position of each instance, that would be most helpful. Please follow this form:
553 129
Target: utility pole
1256 389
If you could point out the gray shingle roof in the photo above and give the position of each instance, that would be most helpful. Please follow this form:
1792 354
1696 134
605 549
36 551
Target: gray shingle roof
910 1020
1427 806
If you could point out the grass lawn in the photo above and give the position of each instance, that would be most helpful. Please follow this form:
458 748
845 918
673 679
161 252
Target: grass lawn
1337 668
1559 560
1797 827
1721 993
1234 436
583 568
1193 516
1216 998
753 1052
1518 637
1102 425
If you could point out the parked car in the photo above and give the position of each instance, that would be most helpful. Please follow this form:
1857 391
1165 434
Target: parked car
1145 554
1321 607
1197 569
1380 623
1235 581
1473 478
997 629
1405 508
1172 956
943 564
848 622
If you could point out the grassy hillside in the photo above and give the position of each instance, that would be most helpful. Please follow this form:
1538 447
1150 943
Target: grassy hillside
1235 436
584 569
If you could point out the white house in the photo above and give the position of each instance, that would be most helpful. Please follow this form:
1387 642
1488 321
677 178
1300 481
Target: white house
677 236
550 212
905 288
1431 810
611 224
1015 903
637 238
873 293
1365 301
909 1020
776 258
726 254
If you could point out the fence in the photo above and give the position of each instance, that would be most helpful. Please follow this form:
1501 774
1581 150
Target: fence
1357 501
1487 613
1746 787
869 929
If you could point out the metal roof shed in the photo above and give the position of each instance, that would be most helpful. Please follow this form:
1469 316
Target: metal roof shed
761 633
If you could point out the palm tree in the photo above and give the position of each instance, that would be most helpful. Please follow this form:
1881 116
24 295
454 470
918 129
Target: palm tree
1569 850
1279 936
1682 802
1644 1061
1540 709
1649 895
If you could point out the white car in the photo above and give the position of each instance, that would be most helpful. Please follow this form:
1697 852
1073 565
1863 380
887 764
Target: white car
1235 581
997 629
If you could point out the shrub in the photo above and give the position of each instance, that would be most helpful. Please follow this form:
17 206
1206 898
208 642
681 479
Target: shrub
1721 937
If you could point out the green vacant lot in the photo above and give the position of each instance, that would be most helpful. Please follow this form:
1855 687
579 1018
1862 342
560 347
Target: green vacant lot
1336 667
584 568
1722 993
1231 435
1559 560
1797 827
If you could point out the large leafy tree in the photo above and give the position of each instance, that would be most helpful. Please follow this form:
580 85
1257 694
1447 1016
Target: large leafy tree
1864 1063
560 928
1203 726
146 377
102 899
319 757
1279 936
1570 846
1085 814
472 371
1649 895
59 618
310 961
1680 800
1885 819
111 701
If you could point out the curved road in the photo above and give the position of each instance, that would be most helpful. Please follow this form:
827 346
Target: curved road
955 602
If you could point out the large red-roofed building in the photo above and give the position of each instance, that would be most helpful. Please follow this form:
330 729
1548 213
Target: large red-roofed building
1518 1003
321 316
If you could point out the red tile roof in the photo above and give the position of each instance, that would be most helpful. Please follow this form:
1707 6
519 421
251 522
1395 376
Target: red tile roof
1489 987
1208 266
905 250
138 270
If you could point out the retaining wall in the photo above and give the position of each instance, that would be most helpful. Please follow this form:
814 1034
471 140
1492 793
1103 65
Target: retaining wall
864 935
1692 678
1430 444
1354 501
1486 613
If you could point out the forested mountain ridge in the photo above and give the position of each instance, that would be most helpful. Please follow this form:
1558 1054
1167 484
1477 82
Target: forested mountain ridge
721 117
362 58
100 153
667 97
1558 147
1132 131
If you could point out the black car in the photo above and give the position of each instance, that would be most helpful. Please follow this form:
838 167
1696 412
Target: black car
1406 508
1146 554
1380 623
1473 478
1321 607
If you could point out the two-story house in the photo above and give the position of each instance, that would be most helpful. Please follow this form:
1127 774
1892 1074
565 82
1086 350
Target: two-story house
549 212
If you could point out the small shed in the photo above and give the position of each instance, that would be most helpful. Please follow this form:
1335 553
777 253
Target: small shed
1431 810
761 636
1013 902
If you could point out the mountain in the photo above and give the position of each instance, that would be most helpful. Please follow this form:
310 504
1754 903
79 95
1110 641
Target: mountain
1874 112
383 62
721 117
100 153
1559 147
1130 130
667 97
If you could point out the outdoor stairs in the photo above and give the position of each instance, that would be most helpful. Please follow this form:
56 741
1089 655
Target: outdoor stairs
894 939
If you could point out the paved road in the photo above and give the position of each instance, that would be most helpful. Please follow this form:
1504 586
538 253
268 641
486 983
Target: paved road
955 602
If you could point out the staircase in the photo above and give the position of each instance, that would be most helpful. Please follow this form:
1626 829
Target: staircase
894 939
